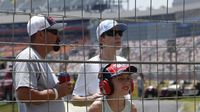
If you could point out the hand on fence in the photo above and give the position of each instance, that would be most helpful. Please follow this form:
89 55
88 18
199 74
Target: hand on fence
95 96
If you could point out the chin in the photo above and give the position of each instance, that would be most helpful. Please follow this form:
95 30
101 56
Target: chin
124 92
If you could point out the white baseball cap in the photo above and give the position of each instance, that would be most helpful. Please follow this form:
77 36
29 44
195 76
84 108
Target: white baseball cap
109 24
40 22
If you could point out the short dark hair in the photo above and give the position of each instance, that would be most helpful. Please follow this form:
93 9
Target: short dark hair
100 44
33 37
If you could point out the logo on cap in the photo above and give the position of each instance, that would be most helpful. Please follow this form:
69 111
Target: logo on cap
51 20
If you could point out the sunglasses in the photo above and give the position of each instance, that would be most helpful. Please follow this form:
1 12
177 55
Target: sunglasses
113 33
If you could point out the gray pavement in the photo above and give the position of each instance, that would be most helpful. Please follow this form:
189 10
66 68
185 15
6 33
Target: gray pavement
71 108
142 106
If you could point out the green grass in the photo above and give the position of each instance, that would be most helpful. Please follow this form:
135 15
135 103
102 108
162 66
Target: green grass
190 103
190 99
9 107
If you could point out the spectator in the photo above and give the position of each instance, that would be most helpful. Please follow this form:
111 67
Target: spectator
115 83
140 85
86 89
35 83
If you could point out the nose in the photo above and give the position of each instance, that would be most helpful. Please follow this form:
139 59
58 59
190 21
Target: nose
117 35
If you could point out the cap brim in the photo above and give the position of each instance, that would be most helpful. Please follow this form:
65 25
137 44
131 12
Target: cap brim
58 26
121 26
129 70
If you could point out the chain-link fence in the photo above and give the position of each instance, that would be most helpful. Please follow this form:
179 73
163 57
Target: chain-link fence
162 42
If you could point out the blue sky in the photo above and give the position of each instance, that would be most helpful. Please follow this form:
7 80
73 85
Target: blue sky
143 4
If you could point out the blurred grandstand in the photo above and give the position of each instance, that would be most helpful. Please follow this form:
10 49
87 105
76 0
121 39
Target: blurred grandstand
186 50
56 5
152 36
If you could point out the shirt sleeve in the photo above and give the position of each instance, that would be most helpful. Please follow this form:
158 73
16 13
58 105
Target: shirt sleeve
24 75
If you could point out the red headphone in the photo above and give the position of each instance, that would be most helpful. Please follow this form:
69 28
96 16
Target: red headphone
105 84
106 87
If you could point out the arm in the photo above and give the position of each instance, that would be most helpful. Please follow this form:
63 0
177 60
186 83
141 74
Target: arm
84 101
36 97
27 94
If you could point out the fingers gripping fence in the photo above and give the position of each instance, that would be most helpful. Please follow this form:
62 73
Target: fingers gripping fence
162 41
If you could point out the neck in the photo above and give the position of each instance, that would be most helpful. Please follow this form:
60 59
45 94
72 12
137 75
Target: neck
116 95
117 104
40 50
107 54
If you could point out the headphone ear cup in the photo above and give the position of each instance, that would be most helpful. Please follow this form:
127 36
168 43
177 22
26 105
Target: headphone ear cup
105 88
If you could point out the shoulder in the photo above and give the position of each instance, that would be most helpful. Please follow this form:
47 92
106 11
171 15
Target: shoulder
22 53
91 66
119 58
130 105
95 58
96 106
133 108
27 53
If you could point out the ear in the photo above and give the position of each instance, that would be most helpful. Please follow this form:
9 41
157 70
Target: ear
101 39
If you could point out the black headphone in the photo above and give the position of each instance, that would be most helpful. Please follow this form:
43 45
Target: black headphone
105 84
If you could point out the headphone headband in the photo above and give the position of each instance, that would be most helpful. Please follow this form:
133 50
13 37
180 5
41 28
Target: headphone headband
105 75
